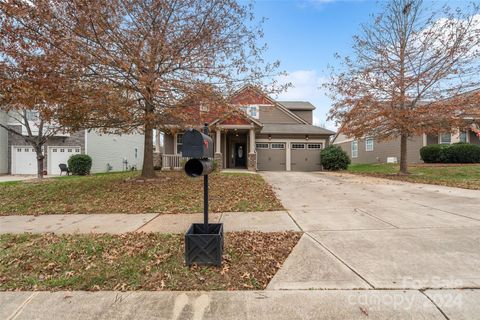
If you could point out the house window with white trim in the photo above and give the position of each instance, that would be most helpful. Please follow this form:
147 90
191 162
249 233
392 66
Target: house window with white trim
204 107
369 144
354 149
252 111
262 146
463 137
445 138
179 143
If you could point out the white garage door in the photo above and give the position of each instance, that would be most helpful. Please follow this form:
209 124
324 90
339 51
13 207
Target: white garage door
57 155
24 160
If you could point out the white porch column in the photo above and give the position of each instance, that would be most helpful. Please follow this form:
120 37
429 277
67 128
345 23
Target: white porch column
456 136
218 145
252 140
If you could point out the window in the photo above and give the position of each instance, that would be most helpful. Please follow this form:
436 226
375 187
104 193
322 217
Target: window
315 146
19 150
298 146
62 150
136 153
278 146
32 115
77 150
369 144
252 111
355 149
26 149
204 107
262 145
179 143
446 138
54 150
463 137
69 150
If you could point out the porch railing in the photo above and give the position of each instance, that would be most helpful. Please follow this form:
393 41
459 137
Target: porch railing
172 161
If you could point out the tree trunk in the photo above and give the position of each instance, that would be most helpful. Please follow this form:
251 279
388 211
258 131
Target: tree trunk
403 154
147 170
40 157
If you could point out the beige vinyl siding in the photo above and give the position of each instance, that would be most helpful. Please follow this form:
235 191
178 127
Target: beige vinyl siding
168 144
112 149
382 150
272 114
306 115
3 144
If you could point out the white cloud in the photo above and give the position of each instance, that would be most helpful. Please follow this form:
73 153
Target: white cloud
306 86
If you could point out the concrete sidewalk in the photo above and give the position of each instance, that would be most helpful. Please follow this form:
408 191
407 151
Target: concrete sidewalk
278 305
168 223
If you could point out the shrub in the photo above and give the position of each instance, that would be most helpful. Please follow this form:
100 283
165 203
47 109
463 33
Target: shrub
333 158
454 153
80 164
433 153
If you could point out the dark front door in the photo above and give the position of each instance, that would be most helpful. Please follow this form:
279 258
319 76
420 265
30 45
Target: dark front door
240 155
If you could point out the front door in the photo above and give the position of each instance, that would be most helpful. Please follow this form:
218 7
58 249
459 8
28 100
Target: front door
240 154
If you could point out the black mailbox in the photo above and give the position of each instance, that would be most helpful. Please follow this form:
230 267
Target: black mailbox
197 145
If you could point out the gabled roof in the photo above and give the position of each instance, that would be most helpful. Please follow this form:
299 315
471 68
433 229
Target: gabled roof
279 105
294 128
297 105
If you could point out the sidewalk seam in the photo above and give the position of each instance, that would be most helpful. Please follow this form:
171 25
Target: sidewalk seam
338 258
294 221
143 225
433 302
375 217
17 312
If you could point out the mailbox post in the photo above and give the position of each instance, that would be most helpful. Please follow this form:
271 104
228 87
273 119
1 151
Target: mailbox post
203 242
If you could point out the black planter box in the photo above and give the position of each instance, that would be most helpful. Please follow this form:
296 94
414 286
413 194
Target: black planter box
204 248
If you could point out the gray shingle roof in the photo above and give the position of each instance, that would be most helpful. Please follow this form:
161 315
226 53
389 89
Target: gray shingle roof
297 105
284 128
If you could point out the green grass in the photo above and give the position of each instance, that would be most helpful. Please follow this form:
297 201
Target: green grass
462 176
137 261
172 192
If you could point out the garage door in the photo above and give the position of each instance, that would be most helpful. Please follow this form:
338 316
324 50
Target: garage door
24 160
306 156
271 156
57 155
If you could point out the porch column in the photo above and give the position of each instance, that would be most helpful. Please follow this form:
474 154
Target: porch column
252 156
218 158
157 141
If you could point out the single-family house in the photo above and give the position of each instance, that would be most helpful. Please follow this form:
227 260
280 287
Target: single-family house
264 134
109 152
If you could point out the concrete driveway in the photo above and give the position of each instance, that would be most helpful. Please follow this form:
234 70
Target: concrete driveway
374 233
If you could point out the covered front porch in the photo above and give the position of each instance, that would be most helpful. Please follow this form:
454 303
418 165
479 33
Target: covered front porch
234 147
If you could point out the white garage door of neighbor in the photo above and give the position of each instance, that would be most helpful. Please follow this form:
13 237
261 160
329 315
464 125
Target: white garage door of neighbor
57 155
24 160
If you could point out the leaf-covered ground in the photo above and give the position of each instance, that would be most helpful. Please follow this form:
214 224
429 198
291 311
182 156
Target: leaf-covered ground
454 175
171 192
137 261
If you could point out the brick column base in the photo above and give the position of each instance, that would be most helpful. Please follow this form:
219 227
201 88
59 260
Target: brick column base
219 160
252 162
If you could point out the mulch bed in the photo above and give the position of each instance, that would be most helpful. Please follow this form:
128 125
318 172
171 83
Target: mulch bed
137 261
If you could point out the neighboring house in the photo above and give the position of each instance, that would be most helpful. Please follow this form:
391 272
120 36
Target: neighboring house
3 145
109 152
370 150
264 135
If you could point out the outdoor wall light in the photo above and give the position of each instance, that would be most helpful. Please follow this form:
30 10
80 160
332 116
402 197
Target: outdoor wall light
269 137
306 137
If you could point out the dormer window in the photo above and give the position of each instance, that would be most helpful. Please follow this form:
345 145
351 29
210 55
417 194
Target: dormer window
204 107
252 111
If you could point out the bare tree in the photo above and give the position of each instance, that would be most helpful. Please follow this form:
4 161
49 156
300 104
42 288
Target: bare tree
405 62
154 53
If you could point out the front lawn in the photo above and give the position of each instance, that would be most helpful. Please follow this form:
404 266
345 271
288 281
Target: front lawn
172 192
463 176
137 261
